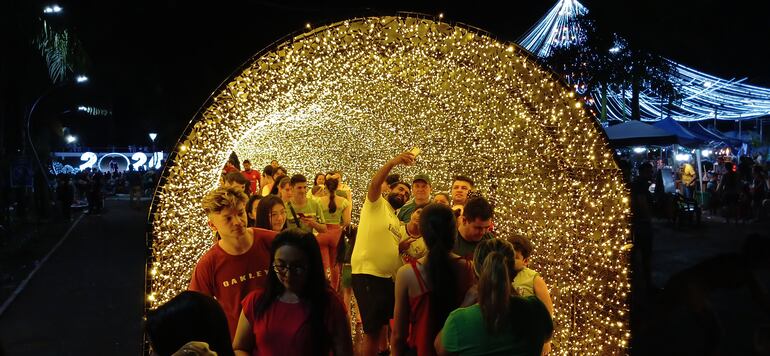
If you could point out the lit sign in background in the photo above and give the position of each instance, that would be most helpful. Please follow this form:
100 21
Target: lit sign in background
81 161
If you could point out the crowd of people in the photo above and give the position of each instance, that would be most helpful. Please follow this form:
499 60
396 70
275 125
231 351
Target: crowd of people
736 188
739 191
91 186
428 274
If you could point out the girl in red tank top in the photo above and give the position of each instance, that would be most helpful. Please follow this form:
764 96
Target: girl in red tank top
428 289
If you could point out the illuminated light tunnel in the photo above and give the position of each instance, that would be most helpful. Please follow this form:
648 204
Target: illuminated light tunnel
355 93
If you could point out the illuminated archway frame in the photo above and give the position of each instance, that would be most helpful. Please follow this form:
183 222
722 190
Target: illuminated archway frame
356 92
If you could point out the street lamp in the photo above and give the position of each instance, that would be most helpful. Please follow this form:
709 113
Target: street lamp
79 79
154 162
53 9
70 139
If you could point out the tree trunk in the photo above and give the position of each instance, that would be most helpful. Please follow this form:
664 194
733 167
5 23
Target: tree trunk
603 117
636 87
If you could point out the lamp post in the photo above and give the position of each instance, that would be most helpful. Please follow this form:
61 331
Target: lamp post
53 9
154 161
80 79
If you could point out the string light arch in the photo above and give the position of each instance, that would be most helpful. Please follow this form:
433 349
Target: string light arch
354 93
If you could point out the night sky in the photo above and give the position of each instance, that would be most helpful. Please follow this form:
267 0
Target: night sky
154 63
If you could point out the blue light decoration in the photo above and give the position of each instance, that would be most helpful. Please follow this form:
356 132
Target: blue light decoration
77 161
705 97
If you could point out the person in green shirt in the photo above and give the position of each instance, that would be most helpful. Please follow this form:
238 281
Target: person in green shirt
421 189
473 226
500 323
302 212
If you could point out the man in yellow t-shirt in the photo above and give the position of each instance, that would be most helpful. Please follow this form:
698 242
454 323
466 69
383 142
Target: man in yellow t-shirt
688 180
375 258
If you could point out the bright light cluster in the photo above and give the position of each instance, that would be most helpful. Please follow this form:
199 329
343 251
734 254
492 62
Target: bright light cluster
353 94
704 96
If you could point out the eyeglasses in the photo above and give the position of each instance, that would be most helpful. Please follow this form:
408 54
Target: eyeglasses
284 269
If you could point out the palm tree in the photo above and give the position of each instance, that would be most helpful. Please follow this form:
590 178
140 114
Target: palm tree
650 72
61 50
599 61
590 62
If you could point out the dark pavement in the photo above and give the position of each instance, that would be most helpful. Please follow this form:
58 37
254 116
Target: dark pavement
717 313
87 299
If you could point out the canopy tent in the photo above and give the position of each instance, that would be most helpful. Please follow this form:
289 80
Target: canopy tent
713 135
684 136
637 133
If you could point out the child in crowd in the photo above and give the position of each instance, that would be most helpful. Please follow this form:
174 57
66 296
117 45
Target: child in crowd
528 282
412 246
442 198
501 323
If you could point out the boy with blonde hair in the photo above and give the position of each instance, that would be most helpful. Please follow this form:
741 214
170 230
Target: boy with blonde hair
238 263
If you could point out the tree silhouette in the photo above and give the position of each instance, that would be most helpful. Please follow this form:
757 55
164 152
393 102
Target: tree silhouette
597 61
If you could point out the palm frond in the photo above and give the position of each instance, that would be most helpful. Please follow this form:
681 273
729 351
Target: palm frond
56 48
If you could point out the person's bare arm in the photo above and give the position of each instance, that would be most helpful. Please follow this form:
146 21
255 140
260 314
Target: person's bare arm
439 346
346 215
243 342
375 186
401 311
541 292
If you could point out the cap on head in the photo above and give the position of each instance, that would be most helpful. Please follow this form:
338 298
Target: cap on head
421 177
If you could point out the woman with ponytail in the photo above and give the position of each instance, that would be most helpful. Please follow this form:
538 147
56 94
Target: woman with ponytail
429 288
336 211
501 323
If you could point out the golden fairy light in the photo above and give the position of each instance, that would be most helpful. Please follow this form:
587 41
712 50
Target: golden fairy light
352 94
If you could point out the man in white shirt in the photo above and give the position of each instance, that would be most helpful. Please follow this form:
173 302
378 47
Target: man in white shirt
375 258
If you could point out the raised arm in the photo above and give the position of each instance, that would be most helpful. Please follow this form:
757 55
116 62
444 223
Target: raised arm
375 186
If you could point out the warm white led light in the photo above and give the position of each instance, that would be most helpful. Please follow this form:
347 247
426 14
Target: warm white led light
352 94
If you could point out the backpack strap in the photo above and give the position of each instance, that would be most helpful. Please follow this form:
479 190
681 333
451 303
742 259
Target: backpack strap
294 215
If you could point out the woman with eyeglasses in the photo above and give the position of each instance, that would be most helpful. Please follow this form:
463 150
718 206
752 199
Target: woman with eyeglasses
271 214
297 313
